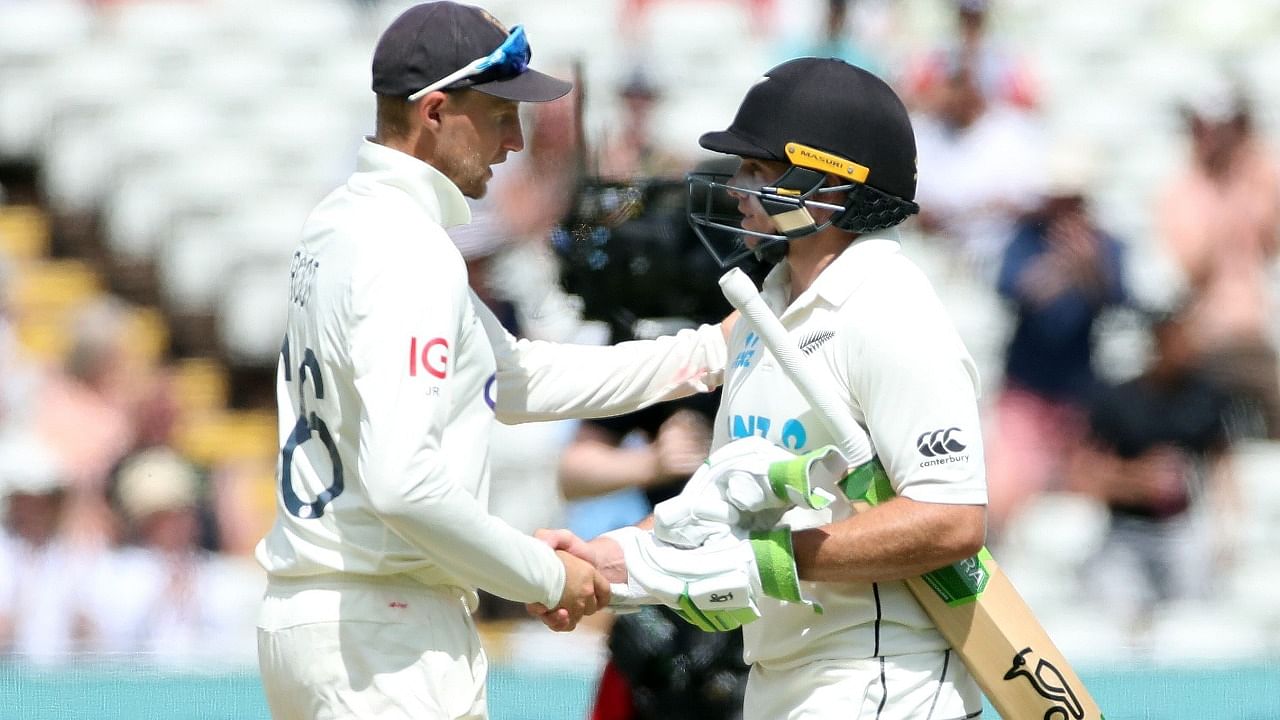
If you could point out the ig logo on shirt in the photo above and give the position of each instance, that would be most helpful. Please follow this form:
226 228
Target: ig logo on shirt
431 356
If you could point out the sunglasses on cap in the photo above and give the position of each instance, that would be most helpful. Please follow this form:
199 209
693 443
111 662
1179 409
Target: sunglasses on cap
509 60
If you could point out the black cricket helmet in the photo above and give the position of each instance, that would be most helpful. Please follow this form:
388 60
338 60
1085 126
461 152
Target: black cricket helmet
824 118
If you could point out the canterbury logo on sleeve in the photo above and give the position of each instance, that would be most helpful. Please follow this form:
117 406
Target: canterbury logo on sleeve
936 443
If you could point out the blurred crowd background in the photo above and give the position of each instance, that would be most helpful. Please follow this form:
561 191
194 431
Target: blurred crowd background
1100 211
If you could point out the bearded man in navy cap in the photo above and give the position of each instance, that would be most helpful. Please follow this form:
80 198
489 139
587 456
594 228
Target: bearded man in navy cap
391 374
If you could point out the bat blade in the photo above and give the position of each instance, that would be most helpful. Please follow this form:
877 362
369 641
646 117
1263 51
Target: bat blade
1010 655
973 603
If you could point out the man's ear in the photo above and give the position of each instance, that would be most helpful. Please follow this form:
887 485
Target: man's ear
430 108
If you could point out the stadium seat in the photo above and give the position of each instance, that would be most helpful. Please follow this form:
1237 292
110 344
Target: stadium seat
1251 591
45 295
234 77
33 38
1046 565
149 207
86 88
201 385
162 27
196 260
251 312
1255 465
24 233
41 28
228 436
1087 635
296 30
1196 632
54 286
148 335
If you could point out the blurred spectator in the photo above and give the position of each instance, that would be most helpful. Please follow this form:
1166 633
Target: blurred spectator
633 151
532 189
1218 217
654 451
42 615
19 378
164 595
87 413
157 410
1156 457
836 38
1002 76
529 195
1060 272
632 14
980 167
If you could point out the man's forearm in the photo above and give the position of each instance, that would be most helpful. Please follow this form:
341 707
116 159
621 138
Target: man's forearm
589 469
899 539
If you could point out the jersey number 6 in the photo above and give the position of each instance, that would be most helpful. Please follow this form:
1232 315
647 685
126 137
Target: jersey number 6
308 426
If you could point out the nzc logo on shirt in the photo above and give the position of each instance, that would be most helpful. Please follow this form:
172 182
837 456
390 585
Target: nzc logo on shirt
748 351
431 356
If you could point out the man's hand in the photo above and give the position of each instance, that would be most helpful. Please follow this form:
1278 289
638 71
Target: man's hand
712 587
603 554
681 445
728 323
748 484
585 592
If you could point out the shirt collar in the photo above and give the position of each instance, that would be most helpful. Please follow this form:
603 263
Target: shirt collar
428 186
839 279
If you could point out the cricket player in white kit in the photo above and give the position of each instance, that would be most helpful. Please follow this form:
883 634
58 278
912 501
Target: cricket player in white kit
390 375
827 171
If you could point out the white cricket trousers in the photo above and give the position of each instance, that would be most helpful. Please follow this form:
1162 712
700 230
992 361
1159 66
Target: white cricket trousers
334 649
923 686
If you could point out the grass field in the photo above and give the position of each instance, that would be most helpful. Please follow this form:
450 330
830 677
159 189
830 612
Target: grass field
126 691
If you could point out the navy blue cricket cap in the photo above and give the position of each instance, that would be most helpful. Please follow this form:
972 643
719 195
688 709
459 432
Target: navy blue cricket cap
428 42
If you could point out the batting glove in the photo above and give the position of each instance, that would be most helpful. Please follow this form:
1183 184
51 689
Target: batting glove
714 587
748 484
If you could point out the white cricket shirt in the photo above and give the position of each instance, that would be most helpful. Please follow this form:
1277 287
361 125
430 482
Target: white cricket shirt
873 322
390 373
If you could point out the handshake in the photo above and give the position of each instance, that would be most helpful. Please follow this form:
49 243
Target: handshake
714 548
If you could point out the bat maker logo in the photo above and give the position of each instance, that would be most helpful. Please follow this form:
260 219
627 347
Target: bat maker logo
1049 683
942 445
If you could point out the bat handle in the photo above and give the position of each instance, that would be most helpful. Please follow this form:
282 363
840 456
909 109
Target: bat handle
850 437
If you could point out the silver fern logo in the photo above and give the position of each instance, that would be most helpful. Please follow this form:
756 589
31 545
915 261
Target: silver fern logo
810 343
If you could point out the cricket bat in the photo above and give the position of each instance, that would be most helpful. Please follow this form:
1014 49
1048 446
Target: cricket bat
973 603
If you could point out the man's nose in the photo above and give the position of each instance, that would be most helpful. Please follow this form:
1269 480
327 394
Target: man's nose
514 140
734 184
